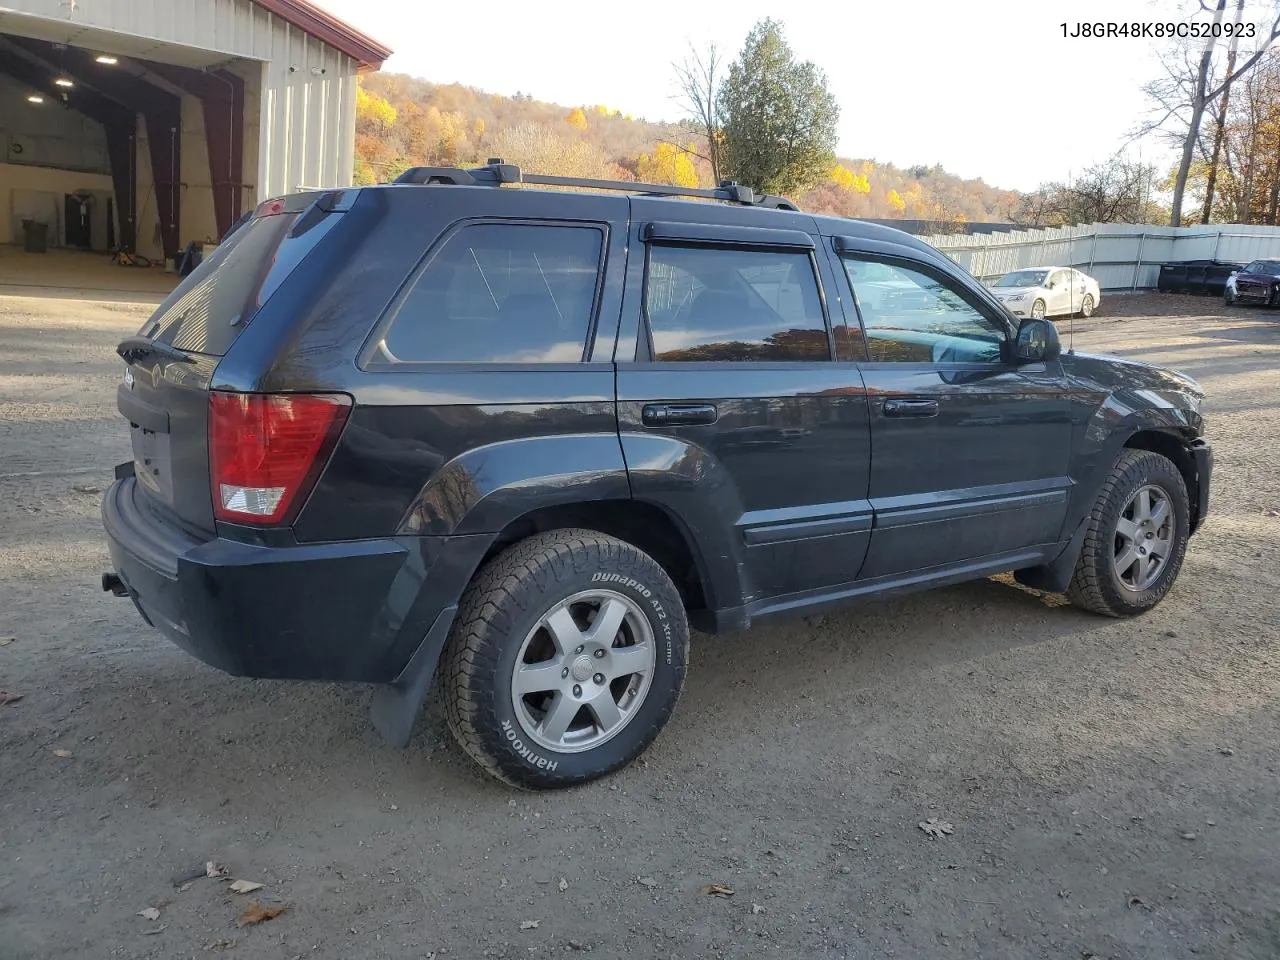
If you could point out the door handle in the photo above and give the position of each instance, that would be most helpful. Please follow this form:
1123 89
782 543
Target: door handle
912 407
678 414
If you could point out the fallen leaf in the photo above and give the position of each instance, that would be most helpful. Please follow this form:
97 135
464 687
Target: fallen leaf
717 890
1188 836
245 886
563 885
220 945
646 881
1227 752
255 912
7 698
160 929
5 641
936 828
86 488
62 753
756 908
185 887
1136 902
212 868
530 924
151 913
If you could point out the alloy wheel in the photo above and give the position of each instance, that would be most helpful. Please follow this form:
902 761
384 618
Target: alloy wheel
583 671
1144 538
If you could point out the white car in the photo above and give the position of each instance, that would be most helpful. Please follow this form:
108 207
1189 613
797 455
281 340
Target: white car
1048 292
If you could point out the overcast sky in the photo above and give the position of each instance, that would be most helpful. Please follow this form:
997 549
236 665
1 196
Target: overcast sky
988 89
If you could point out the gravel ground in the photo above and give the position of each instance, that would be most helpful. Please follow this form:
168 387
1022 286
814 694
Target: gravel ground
1112 785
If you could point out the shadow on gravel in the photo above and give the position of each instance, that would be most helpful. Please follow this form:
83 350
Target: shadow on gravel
307 738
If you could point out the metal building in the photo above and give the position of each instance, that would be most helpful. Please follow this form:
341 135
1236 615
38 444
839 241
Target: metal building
145 125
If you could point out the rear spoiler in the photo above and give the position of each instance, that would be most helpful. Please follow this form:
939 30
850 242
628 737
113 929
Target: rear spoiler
317 202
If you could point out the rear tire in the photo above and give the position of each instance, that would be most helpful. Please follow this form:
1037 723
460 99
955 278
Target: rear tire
1086 306
1038 310
1135 537
532 692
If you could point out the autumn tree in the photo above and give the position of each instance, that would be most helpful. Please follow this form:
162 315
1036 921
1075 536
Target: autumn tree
1192 83
777 117
576 118
1248 185
374 115
846 179
668 164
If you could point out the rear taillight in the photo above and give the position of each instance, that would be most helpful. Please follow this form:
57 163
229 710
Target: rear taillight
266 450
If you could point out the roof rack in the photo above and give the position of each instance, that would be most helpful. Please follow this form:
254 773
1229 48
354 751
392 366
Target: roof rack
495 173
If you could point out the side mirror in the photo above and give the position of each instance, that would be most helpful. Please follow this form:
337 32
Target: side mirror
1037 342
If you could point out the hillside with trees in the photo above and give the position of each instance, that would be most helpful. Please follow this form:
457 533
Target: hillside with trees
403 122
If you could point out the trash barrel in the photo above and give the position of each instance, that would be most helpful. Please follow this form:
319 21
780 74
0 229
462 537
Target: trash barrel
1173 277
35 236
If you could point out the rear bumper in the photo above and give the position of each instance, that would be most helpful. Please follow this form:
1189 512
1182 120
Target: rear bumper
331 611
1202 454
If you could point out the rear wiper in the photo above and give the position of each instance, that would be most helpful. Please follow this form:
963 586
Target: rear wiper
134 349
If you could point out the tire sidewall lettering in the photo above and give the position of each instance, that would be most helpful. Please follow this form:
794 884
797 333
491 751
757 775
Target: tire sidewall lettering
525 752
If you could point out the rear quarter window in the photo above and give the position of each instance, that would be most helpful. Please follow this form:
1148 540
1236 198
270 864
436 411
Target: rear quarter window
500 293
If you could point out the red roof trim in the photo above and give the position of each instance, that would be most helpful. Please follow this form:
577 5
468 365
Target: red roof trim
324 26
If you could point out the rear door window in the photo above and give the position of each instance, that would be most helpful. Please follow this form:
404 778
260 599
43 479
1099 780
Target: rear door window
213 305
734 304
500 293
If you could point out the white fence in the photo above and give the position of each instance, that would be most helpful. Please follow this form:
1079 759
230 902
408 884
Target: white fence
1119 256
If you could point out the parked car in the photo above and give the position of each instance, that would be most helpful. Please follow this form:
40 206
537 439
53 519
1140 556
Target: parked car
520 440
1258 283
1048 292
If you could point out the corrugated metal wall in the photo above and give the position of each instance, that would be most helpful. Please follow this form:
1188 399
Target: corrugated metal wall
306 89
308 106
1119 256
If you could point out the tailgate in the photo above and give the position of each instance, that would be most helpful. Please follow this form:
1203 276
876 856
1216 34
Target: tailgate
165 392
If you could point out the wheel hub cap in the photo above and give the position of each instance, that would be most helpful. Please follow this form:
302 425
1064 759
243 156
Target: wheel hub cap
582 669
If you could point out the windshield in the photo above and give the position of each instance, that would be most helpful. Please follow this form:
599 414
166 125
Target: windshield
1268 268
1022 278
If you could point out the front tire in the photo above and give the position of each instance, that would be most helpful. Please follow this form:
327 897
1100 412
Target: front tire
566 660
1038 310
1086 306
1135 537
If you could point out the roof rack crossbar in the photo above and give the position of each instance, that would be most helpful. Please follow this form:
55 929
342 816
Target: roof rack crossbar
496 173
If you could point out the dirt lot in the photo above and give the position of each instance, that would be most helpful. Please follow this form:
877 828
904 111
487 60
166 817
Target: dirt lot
1112 785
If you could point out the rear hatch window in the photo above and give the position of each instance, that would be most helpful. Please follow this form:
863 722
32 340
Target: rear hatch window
216 301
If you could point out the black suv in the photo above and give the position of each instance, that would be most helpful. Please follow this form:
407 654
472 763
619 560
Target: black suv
524 438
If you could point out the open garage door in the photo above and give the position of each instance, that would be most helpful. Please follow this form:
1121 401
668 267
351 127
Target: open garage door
117 147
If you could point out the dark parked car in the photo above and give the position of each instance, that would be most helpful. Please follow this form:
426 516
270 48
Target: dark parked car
1257 284
523 439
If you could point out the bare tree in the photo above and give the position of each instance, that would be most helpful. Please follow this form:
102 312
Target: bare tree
1190 87
1220 119
698 78
1117 191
